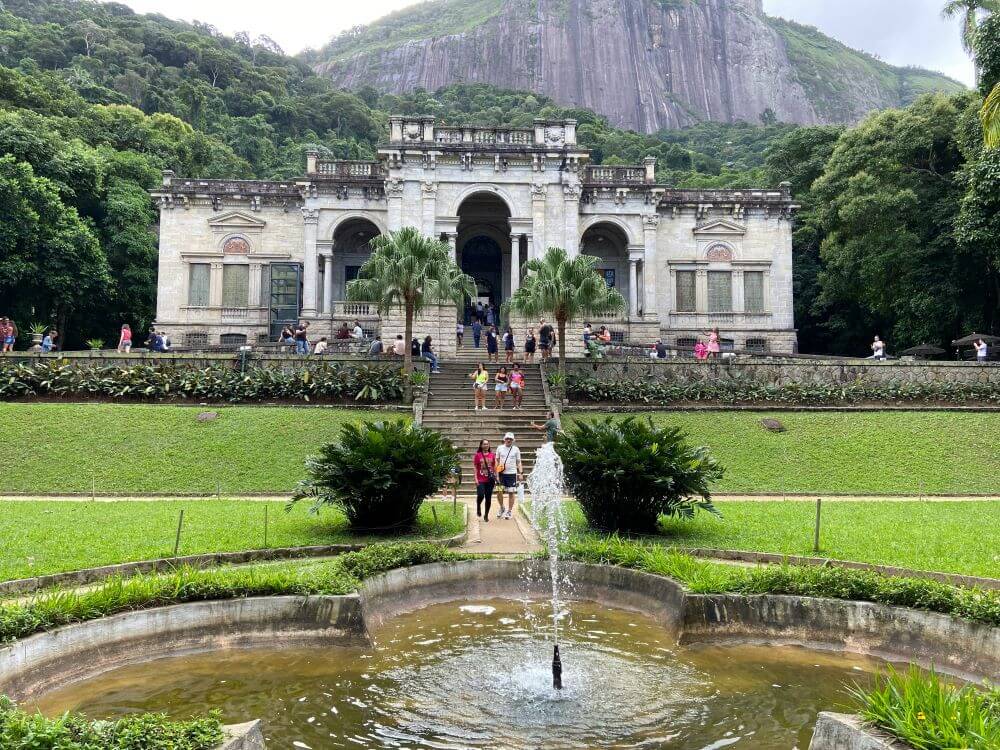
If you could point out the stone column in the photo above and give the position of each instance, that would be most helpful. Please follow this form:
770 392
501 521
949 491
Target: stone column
328 284
253 296
453 244
571 208
536 248
515 263
310 262
701 290
394 197
739 299
215 285
633 286
650 224
429 190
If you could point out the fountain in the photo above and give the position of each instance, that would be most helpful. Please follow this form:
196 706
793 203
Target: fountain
546 485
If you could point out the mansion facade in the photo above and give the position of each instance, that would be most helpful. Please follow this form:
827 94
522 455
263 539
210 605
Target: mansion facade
240 258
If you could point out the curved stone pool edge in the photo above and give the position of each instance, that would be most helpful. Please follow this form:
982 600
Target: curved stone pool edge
33 665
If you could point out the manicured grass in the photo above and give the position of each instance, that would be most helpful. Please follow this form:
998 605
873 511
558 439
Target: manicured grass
883 453
126 448
41 537
950 537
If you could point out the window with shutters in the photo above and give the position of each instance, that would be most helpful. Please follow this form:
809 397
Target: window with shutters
753 291
686 295
198 283
720 291
235 285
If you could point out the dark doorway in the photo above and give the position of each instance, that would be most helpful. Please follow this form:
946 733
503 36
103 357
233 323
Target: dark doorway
483 243
483 261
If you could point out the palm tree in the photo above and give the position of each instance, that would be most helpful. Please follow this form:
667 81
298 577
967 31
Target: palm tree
566 288
990 116
970 10
410 271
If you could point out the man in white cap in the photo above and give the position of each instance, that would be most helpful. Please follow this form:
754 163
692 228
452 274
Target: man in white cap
510 471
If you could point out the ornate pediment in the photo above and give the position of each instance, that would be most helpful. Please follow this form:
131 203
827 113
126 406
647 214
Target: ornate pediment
720 228
235 221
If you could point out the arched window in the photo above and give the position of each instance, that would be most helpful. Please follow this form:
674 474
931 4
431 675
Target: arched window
719 253
236 246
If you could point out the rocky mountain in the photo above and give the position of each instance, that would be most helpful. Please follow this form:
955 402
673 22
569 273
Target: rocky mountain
645 64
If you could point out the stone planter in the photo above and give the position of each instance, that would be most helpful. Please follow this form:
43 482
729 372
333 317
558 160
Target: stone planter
36 342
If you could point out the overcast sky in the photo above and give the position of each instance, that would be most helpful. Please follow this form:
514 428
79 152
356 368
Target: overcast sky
903 32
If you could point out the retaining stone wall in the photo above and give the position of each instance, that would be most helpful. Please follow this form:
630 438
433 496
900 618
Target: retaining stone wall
201 360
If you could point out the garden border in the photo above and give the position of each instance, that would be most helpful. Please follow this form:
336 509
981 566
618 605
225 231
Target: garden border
86 576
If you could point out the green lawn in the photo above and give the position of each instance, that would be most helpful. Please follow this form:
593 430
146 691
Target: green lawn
41 537
883 453
130 448
950 537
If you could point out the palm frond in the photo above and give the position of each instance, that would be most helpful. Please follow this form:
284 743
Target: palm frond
990 115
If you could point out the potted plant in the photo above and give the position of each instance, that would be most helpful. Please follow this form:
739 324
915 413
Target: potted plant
95 345
37 331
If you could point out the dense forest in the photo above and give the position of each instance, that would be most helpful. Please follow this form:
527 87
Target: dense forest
898 230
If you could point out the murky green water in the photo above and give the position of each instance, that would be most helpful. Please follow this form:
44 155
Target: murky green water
478 676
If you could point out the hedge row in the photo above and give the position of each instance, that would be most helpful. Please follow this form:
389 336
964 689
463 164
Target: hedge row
21 730
977 605
320 382
586 388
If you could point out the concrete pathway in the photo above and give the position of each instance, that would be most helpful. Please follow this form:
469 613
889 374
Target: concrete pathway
499 537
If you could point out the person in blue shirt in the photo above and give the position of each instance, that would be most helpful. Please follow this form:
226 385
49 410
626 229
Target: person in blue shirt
47 343
477 331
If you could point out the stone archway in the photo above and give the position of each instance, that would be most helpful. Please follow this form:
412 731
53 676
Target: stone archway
484 246
351 248
608 242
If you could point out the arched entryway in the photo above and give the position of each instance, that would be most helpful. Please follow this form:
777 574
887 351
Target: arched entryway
484 247
609 244
351 248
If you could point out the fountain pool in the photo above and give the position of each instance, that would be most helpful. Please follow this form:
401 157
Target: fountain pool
477 674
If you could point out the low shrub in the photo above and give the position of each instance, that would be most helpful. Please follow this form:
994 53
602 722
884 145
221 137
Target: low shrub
743 391
378 473
170 381
930 713
20 730
705 577
341 575
626 473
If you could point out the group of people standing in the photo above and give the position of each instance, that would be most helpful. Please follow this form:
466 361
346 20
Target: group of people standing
504 382
543 343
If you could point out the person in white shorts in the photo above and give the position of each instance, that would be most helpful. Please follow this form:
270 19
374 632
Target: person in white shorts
510 471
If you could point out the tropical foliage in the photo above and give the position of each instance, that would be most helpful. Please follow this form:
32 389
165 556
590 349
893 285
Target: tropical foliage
565 288
20 730
169 382
627 473
928 712
378 473
410 271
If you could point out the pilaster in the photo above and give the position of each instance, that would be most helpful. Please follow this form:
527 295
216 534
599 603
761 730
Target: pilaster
650 225
310 262
429 191
328 284
539 192
394 199
215 285
571 208
253 297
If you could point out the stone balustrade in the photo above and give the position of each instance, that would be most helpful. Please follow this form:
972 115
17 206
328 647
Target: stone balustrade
372 170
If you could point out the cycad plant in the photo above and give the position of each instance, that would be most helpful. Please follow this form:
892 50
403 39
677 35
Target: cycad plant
565 288
410 271
378 473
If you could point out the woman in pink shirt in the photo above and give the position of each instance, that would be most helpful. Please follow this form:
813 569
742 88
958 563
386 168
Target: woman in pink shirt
125 340
517 385
713 343
486 478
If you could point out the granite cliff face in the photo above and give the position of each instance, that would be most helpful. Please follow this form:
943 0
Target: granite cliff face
645 64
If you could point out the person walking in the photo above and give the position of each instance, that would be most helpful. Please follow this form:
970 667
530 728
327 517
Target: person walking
714 347
480 382
486 479
302 338
529 346
516 385
427 352
320 346
8 334
508 345
510 470
477 332
545 339
878 348
502 382
550 426
492 345
125 339
490 317
459 333
982 351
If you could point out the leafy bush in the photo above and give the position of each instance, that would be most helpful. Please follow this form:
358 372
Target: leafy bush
745 391
171 381
626 473
930 713
338 576
378 473
704 577
23 731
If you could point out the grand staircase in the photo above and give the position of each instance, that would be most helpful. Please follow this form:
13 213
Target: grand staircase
450 409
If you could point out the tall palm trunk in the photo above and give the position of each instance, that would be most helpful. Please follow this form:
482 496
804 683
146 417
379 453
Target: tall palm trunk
408 352
561 324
